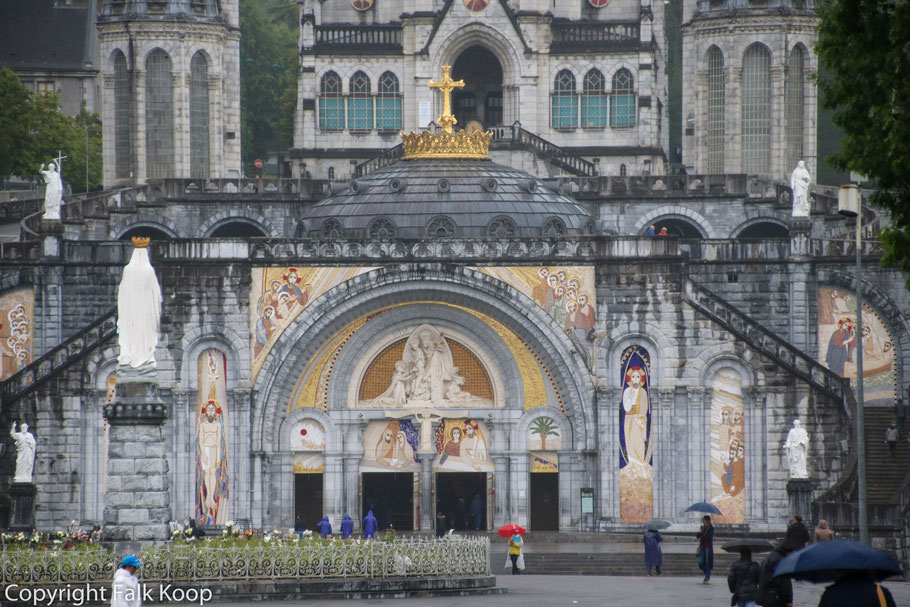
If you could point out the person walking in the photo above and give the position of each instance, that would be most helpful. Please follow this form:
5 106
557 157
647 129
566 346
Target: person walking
822 533
705 551
370 524
347 527
653 553
515 544
891 435
775 591
743 579
324 527
856 589
125 590
797 533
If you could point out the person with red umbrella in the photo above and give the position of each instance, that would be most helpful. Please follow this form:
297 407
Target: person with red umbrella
514 533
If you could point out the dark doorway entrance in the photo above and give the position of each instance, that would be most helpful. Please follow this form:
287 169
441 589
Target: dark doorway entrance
308 498
455 492
481 98
545 502
390 495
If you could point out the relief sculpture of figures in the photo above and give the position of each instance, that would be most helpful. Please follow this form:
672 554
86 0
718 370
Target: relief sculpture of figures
797 447
426 375
53 193
25 453
799 183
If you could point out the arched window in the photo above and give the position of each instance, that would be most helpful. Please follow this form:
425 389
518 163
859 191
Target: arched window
360 103
388 103
441 227
594 101
622 170
123 143
502 227
381 229
714 163
159 116
331 103
332 228
796 99
756 110
563 101
622 100
553 227
199 116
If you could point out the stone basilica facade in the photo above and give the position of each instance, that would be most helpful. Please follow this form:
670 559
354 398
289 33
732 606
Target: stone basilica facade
450 326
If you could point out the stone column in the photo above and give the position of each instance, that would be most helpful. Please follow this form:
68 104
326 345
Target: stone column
351 471
662 454
136 502
426 497
693 470
501 512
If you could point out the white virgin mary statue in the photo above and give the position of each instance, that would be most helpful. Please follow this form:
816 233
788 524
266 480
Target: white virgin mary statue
53 192
138 309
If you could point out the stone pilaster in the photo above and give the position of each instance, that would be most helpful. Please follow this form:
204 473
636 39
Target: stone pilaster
137 502
426 497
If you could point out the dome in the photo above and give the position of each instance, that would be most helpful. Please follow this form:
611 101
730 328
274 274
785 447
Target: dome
446 198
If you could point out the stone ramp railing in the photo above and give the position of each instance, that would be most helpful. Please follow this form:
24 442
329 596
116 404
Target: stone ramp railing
59 358
767 342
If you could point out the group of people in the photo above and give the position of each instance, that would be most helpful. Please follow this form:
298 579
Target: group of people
652 231
324 527
464 517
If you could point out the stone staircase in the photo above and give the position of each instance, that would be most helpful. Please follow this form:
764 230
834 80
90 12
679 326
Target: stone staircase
632 564
885 475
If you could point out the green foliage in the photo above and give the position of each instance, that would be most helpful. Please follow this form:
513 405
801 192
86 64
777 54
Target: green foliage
268 76
544 427
33 131
864 53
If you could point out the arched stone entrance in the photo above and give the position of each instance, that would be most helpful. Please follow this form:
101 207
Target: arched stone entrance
481 99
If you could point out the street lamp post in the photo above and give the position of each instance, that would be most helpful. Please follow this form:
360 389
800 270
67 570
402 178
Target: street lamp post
849 204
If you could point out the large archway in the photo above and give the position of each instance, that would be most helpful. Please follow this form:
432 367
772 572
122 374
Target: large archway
481 99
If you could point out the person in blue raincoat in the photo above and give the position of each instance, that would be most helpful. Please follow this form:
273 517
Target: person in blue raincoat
347 527
324 527
369 525
653 553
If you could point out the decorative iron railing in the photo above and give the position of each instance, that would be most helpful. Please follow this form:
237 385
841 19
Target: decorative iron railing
60 357
353 38
587 36
765 341
549 151
389 156
283 560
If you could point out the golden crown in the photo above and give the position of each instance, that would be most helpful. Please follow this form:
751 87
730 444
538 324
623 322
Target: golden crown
140 242
446 143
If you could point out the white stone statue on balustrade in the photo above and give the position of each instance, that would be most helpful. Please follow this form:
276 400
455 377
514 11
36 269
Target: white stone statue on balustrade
25 453
139 314
799 184
53 193
797 448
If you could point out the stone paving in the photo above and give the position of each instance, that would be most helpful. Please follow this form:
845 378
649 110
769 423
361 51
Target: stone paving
533 590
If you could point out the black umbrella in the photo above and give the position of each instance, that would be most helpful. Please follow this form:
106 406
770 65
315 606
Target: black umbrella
657 524
755 544
821 562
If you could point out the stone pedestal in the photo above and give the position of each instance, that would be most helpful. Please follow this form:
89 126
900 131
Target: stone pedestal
22 506
137 500
799 492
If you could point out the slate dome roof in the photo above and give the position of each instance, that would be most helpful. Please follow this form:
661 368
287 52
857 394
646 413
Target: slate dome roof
442 198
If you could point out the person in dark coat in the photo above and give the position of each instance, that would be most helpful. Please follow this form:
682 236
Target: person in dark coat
705 537
743 579
476 509
347 527
441 526
653 553
775 591
299 525
797 533
324 527
370 524
855 589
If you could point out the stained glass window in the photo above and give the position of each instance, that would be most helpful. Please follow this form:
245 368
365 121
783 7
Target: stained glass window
199 116
122 123
388 103
159 116
756 110
564 101
594 101
331 103
622 100
716 98
360 103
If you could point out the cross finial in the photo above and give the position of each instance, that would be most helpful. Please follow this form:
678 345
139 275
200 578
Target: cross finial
446 85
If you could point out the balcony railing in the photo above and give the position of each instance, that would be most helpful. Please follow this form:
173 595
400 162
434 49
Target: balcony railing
353 38
584 36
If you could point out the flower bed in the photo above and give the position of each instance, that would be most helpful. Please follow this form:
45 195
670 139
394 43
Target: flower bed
254 556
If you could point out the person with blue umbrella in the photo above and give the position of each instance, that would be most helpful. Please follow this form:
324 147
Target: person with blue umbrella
705 552
854 567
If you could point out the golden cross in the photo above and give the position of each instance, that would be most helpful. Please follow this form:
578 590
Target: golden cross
446 85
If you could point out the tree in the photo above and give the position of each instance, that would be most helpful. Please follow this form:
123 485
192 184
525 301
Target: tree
268 76
864 52
33 132
544 427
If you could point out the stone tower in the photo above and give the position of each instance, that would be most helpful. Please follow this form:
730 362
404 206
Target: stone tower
749 99
171 97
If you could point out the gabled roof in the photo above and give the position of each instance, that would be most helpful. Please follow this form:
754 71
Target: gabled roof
39 35
444 11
